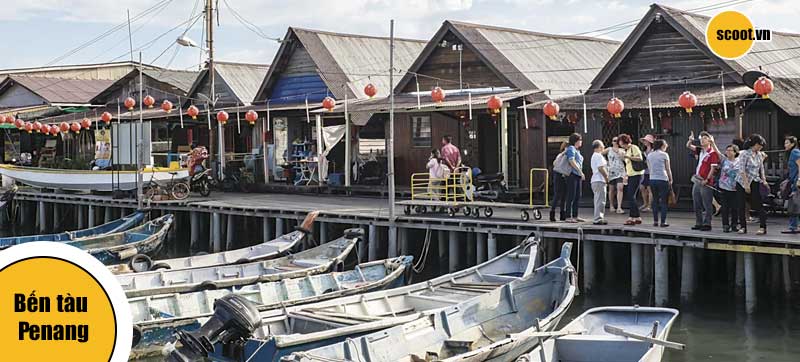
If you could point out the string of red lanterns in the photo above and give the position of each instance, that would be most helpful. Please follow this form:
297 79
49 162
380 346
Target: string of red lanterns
149 101
166 106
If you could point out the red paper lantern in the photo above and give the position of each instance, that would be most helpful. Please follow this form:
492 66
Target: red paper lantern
193 112
222 117
149 101
37 126
251 116
494 104
64 126
54 130
763 87
86 123
20 124
437 94
29 127
75 127
551 109
328 103
370 90
2 119
166 106
106 117
10 119
130 103
687 100
615 106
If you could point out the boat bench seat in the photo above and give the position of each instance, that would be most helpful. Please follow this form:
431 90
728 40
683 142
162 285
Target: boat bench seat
306 263
588 348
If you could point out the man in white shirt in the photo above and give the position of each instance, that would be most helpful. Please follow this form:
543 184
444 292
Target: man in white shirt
599 182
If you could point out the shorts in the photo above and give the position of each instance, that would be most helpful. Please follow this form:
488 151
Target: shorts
646 180
615 181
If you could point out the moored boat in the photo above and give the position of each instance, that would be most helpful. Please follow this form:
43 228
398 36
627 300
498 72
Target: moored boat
118 247
88 180
312 261
264 251
610 334
116 226
286 330
156 318
471 328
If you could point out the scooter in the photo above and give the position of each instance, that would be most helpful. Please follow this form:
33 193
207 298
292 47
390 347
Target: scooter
202 182
490 187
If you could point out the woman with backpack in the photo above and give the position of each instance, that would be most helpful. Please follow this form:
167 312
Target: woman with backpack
560 173
749 182
575 178
634 167
793 183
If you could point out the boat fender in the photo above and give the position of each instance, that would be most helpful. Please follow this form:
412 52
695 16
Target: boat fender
235 318
206 285
137 260
159 266
354 233
127 253
137 335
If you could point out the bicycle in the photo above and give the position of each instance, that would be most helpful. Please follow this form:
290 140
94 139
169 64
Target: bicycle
176 189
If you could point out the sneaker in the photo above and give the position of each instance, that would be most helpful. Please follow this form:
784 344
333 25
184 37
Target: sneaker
790 231
705 228
600 222
612 209
761 231
620 211
655 224
742 231
647 209
726 229
697 227
552 216
664 225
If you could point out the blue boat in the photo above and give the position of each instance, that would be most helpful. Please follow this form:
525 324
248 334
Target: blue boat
118 247
112 227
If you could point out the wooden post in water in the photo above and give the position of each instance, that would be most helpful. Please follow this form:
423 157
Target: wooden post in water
56 217
402 238
481 248
108 215
266 229
739 288
454 251
81 216
230 232
194 233
491 246
442 238
42 217
636 271
92 218
589 271
362 246
373 242
323 232
216 232
750 283
471 241
787 275
279 224
609 262
661 261
392 242
687 274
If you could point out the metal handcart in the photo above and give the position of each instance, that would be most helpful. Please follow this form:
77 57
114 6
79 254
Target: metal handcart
453 195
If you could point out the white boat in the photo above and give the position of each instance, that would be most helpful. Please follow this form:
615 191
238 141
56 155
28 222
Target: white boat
264 251
88 180
610 334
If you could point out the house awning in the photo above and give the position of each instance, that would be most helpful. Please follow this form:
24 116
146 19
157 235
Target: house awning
405 103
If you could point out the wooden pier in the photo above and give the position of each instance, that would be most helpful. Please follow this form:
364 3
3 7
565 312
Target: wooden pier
658 259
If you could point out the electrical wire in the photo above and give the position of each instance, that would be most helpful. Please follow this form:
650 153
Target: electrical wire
248 24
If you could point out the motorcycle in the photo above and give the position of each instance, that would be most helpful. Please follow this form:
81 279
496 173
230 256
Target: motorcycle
490 187
202 182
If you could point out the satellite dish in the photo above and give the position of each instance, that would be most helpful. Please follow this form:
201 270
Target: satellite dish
750 77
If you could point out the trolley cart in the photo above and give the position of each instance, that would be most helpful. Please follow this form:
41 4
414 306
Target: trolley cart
452 195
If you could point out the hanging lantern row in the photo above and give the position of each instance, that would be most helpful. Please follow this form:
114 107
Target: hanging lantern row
166 106
687 101
370 90
149 101
193 111
494 104
551 109
251 116
437 94
763 87
328 103
106 117
222 117
130 103
615 106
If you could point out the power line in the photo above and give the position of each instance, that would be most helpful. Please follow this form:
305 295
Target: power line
248 24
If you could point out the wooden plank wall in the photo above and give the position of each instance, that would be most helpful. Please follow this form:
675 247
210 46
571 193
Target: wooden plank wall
410 159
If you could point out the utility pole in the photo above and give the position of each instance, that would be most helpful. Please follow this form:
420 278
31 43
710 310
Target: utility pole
391 121
212 93
139 134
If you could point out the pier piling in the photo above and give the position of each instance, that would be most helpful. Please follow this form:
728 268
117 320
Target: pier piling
373 242
787 275
661 262
323 232
750 282
739 275
230 231
481 248
216 232
453 254
636 271
362 246
42 217
687 274
392 242
279 226
92 218
442 238
266 229
491 245
402 238
81 216
609 261
588 266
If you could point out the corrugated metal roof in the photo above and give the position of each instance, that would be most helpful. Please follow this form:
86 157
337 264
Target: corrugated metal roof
548 61
243 79
61 90
180 79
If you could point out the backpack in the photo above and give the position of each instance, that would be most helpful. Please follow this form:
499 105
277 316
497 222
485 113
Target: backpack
561 164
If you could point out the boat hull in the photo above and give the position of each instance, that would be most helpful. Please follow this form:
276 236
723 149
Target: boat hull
86 180
116 226
119 247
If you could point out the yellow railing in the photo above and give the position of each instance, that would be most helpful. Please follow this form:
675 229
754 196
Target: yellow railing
453 188
533 188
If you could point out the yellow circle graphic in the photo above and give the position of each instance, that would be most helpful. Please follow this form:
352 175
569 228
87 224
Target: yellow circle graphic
730 34
54 310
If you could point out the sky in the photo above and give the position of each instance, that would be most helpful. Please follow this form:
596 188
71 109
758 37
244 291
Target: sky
46 32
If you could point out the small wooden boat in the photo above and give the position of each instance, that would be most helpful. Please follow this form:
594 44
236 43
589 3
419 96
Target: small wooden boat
264 251
158 317
88 180
8 195
468 330
116 226
312 261
610 334
308 326
119 247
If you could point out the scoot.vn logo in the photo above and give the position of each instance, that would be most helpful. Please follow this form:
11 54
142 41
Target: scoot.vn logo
731 34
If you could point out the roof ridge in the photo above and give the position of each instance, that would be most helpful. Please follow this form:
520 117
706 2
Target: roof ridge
530 32
351 35
698 15
241 63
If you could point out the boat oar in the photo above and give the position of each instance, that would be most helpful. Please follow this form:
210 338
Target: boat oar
621 332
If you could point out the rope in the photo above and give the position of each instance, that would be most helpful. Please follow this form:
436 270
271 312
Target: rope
578 260
423 257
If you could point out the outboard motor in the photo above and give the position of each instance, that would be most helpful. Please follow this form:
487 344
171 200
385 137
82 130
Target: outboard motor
235 318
